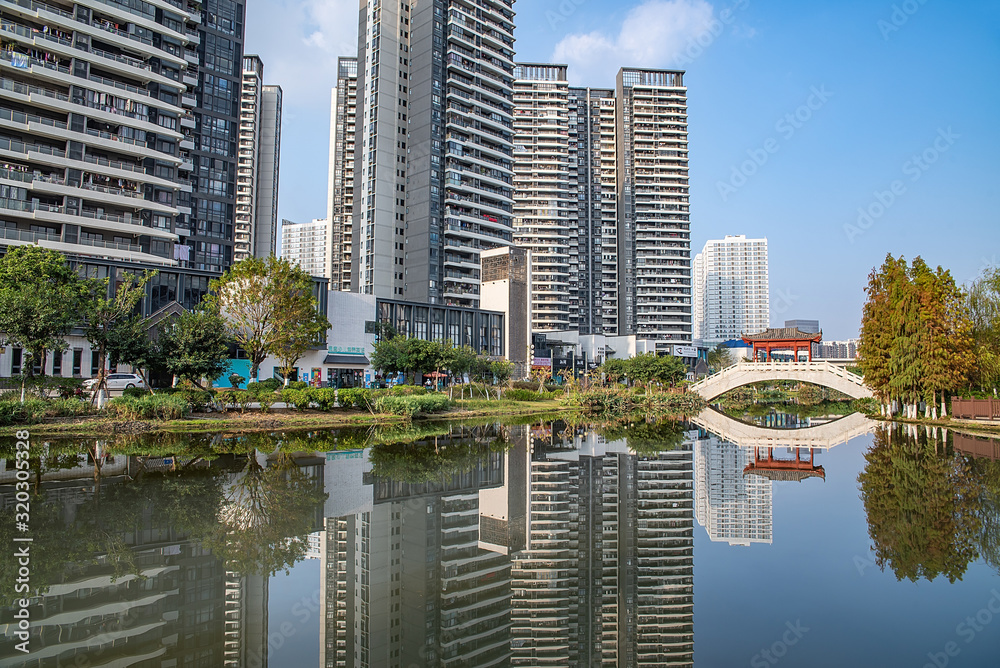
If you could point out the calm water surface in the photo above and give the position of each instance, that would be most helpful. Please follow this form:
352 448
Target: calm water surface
715 542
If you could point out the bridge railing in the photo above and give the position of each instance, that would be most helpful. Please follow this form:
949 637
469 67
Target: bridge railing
750 366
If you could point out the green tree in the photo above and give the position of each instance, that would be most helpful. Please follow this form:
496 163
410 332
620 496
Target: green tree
293 339
263 301
642 368
501 371
916 338
407 355
719 358
41 299
109 320
388 356
983 309
196 345
670 370
947 334
129 343
875 345
614 369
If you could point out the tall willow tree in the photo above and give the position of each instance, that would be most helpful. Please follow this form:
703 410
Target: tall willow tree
983 306
916 337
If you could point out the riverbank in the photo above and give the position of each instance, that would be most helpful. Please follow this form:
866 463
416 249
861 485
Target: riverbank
276 419
974 427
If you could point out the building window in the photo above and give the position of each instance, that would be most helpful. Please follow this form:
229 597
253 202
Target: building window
77 362
15 361
57 363
93 363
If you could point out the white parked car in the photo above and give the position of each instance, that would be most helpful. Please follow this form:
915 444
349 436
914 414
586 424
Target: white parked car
117 381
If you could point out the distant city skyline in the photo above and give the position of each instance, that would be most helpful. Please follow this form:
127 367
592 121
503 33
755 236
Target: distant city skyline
778 142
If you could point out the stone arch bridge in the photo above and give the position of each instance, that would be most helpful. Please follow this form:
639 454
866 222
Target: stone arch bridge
818 373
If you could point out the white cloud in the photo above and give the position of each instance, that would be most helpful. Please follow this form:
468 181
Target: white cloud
654 34
299 42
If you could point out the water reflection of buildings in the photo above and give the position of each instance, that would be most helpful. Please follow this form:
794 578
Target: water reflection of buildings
563 551
733 507
406 580
176 605
607 574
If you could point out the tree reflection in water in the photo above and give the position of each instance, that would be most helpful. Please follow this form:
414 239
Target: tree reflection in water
265 517
931 511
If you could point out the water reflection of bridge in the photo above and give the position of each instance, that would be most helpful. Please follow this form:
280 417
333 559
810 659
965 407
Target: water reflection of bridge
825 436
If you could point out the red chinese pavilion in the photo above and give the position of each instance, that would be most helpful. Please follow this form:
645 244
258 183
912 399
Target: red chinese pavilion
797 469
782 338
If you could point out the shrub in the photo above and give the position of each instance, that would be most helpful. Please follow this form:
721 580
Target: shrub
521 395
226 398
298 398
269 385
236 380
134 392
69 407
355 397
244 399
14 412
199 400
411 405
149 407
266 400
324 398
866 405
533 385
68 387
297 385
406 391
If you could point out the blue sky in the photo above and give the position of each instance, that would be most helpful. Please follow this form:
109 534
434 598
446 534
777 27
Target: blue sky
800 115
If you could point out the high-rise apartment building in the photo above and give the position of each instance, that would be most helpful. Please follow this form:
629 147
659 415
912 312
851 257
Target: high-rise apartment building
654 229
256 232
340 188
102 131
594 272
602 201
544 202
212 145
456 150
731 289
305 244
433 150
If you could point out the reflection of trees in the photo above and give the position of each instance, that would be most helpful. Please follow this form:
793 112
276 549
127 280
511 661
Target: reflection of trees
646 436
436 458
987 475
104 526
265 518
54 547
256 524
923 506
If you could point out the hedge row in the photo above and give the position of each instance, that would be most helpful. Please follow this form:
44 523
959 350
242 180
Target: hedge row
529 395
13 412
149 407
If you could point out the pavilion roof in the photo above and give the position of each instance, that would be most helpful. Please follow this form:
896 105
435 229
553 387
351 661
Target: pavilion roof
783 334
